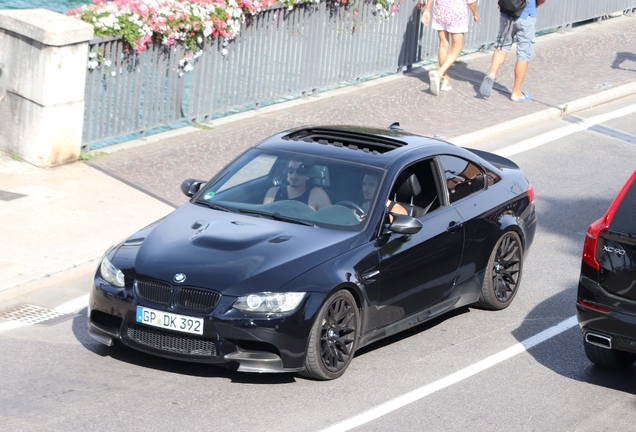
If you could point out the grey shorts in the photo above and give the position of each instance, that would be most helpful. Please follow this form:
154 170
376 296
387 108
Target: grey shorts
523 29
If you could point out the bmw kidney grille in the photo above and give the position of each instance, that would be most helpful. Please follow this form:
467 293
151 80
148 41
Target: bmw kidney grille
186 298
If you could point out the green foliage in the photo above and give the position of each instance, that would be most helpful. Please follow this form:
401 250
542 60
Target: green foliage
202 126
564 109
85 156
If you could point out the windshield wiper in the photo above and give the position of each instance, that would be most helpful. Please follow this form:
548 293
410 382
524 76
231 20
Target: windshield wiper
215 206
277 216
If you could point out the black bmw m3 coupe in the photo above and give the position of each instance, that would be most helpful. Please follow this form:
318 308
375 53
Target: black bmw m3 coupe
313 243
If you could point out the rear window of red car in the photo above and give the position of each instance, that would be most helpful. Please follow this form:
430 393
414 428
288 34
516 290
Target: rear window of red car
624 219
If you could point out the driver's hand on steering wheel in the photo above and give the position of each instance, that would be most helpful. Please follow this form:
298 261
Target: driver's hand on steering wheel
359 217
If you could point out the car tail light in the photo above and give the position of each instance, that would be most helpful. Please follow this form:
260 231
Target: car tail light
530 193
593 307
593 232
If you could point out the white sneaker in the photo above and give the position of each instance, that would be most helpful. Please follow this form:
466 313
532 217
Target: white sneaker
433 77
445 85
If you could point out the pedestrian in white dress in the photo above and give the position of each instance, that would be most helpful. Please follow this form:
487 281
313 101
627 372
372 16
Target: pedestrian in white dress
450 17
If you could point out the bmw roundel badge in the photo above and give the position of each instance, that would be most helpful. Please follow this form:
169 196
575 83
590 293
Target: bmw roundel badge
179 278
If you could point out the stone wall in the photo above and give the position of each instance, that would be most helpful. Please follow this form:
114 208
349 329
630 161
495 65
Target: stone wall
43 78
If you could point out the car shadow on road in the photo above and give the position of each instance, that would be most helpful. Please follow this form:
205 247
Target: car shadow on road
411 331
564 353
138 358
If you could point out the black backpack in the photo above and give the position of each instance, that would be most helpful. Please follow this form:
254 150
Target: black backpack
513 8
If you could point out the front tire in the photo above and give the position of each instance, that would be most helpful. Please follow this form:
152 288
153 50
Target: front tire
503 273
333 339
609 358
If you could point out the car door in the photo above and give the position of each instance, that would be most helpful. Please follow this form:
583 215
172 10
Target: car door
466 183
418 270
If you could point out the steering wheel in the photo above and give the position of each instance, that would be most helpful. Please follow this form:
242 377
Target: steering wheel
350 204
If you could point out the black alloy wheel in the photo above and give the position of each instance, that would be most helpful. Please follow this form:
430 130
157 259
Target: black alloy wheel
503 274
333 338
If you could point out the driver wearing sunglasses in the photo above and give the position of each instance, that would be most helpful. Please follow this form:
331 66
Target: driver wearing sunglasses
299 188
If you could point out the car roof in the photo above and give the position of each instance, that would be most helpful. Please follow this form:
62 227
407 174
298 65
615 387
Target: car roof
371 146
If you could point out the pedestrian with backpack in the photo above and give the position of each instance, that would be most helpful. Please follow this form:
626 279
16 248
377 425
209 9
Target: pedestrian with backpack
450 19
517 18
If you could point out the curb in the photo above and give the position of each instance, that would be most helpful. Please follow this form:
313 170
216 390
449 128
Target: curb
34 280
477 137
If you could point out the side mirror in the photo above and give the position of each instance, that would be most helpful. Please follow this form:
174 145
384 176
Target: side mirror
190 187
403 224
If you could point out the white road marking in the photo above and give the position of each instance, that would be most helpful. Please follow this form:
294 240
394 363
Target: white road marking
69 307
74 305
547 137
451 379
10 325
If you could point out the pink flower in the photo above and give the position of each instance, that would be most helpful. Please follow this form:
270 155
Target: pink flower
355 14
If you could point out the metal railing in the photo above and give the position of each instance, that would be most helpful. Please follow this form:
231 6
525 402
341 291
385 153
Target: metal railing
277 54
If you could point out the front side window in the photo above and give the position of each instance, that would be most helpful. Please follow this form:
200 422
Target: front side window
415 189
463 178
296 188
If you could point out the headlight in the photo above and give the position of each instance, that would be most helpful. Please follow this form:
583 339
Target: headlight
111 274
269 302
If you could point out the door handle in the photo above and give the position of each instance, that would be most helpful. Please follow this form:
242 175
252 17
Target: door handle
453 227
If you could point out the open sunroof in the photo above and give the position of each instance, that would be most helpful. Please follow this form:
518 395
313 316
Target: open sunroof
353 140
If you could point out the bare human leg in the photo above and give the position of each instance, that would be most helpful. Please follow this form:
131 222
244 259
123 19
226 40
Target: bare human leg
455 49
498 59
434 76
444 43
520 73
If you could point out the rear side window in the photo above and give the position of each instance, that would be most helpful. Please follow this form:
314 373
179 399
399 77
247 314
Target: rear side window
624 219
463 178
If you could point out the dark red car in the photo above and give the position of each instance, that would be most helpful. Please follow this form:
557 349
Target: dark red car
606 301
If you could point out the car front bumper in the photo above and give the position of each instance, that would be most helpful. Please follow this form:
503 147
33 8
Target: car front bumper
268 343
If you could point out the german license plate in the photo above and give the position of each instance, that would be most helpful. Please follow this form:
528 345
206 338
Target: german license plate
169 321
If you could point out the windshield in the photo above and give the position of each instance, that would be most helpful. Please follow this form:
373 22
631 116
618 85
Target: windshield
296 188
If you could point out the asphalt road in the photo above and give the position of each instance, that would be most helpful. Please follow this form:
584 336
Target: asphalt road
57 378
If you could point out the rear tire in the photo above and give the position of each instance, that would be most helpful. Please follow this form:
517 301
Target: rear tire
503 273
333 338
609 358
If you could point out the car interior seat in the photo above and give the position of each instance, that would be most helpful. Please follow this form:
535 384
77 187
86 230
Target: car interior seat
320 176
406 193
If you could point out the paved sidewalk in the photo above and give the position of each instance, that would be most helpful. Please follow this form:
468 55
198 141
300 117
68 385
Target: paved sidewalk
56 219
565 68
67 216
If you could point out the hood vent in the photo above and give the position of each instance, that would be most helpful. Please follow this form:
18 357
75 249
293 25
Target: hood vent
134 242
280 239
